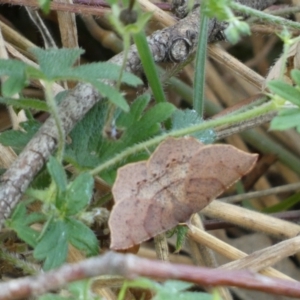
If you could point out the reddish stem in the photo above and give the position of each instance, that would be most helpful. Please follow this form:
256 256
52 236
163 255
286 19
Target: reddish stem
131 266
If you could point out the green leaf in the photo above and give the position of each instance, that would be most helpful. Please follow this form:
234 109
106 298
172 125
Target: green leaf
53 62
15 70
79 193
89 148
185 118
103 70
52 297
143 283
218 9
24 103
285 91
57 173
183 296
45 5
201 57
20 222
149 66
82 237
296 76
175 289
175 286
283 205
181 235
35 73
81 288
18 139
112 94
136 110
53 246
13 85
12 67
169 290
287 118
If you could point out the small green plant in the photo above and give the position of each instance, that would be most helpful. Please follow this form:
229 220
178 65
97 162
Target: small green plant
76 290
63 205
169 290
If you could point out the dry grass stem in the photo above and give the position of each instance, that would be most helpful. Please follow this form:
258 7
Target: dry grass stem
266 257
221 56
251 220
227 250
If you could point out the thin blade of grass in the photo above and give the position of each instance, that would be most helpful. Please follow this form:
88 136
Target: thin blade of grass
149 66
199 79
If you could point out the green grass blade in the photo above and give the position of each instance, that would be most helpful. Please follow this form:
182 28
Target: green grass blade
199 79
149 66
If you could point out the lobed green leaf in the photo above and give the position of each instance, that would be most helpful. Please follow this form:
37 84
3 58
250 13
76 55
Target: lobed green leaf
103 70
58 174
53 246
185 118
82 237
79 193
54 62
24 103
287 118
18 139
285 91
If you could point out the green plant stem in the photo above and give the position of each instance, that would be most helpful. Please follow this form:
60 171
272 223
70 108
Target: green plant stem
55 114
262 142
284 57
149 66
246 10
226 120
112 107
126 43
199 79
280 12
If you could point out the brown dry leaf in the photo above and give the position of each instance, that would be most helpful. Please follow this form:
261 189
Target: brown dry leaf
180 178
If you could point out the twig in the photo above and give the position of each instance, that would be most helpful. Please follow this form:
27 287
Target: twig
227 250
266 257
72 8
291 215
161 247
251 220
280 189
131 266
203 255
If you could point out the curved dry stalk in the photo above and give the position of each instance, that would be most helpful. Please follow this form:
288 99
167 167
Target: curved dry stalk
222 57
251 220
203 254
266 257
276 190
227 250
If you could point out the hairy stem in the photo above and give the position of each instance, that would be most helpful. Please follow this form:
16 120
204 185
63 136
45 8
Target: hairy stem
54 112
231 119
246 10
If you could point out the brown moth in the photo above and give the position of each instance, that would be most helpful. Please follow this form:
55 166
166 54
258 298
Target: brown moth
180 178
